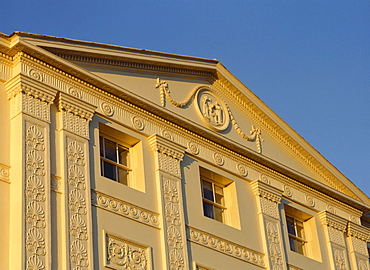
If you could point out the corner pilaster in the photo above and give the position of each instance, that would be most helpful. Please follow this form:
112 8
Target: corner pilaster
268 199
30 211
357 238
76 228
168 156
335 228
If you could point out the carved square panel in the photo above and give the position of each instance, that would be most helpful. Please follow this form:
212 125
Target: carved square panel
121 253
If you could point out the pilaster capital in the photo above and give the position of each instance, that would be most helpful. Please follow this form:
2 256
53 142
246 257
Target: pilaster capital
168 154
358 231
76 114
333 221
164 146
266 191
76 106
26 85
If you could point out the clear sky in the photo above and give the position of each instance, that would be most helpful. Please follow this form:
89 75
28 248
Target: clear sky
309 61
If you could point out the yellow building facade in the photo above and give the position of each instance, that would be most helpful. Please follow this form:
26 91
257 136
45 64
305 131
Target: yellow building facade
119 158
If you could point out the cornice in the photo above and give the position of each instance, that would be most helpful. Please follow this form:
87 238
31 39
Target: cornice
267 191
76 106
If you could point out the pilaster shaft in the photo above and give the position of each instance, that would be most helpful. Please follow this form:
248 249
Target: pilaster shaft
335 228
30 191
168 156
268 199
357 238
74 116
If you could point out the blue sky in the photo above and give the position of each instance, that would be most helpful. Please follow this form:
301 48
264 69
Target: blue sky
309 61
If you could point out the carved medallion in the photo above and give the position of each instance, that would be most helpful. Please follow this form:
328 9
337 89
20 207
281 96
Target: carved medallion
212 110
107 108
242 170
193 148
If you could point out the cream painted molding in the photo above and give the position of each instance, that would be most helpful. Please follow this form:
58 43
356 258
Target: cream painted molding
125 254
4 173
154 124
212 110
6 65
226 247
124 209
291 267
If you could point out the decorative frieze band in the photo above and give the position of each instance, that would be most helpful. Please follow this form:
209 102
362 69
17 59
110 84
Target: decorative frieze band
226 247
336 227
124 254
125 209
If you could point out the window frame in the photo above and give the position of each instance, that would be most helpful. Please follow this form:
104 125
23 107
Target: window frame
295 237
213 203
116 164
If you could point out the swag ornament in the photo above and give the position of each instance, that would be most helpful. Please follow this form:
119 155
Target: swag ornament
212 110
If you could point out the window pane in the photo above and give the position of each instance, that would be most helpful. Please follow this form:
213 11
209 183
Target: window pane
219 195
290 224
110 150
207 191
291 244
123 155
123 176
218 214
101 142
208 210
109 171
299 246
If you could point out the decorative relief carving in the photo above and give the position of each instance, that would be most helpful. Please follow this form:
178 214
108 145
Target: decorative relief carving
124 254
335 226
336 236
4 173
77 228
242 169
264 178
137 123
330 208
76 114
168 135
35 74
273 240
288 191
125 209
168 155
107 108
358 236
193 148
310 201
35 197
268 197
173 225
362 265
213 110
339 259
354 219
269 207
218 159
225 247
75 92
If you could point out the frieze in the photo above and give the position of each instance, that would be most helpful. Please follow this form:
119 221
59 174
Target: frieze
226 247
124 254
125 209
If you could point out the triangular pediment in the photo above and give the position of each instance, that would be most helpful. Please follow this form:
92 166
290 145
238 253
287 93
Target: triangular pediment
200 95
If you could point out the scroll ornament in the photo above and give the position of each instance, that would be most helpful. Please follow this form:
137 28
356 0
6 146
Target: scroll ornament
216 113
